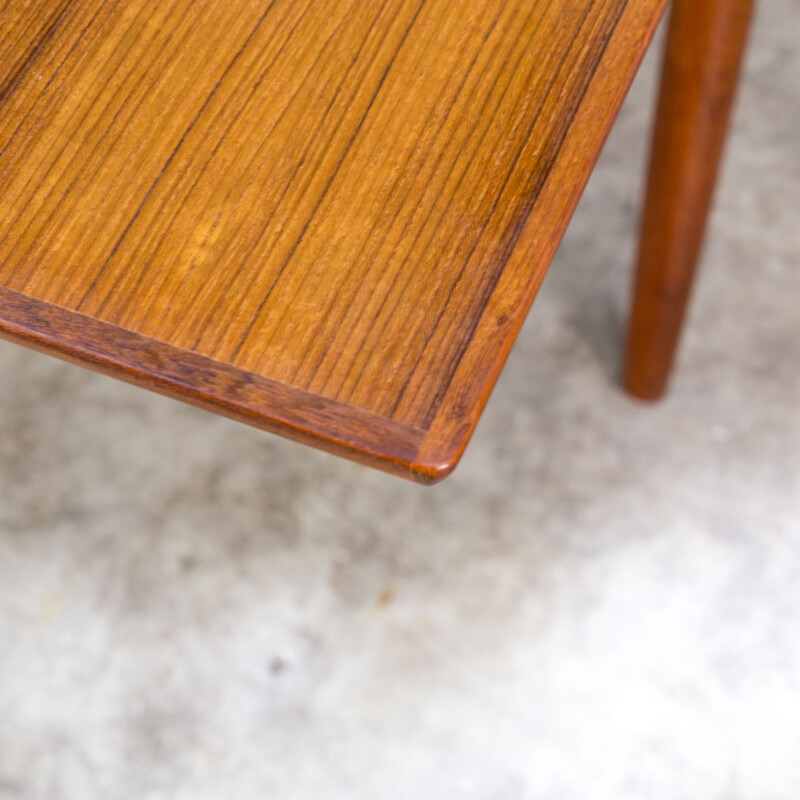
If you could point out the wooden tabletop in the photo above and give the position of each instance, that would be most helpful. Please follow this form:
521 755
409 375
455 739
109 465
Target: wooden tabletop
327 218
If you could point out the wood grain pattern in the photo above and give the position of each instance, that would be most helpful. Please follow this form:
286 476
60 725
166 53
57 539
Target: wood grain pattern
355 201
703 58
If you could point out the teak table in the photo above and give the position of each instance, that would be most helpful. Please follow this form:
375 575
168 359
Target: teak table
328 218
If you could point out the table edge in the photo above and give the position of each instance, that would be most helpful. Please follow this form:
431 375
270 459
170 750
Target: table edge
502 318
270 405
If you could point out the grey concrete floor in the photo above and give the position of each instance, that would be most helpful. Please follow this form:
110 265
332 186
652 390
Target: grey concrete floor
602 601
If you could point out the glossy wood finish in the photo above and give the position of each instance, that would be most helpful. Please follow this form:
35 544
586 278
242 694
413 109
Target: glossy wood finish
325 218
704 52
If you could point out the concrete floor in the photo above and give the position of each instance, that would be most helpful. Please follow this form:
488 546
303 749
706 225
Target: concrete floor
601 602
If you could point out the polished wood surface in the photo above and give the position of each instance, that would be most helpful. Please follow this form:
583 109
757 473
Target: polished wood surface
273 208
703 58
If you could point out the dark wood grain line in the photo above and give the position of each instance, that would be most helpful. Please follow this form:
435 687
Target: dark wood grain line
447 210
453 364
175 152
212 385
202 171
479 119
542 173
330 181
47 174
53 162
297 169
334 35
288 185
22 41
141 274
109 144
32 56
52 78
507 307
380 240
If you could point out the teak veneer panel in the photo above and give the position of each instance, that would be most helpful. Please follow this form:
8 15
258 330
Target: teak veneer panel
327 218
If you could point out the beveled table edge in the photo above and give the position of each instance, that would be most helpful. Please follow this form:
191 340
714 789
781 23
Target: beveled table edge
215 386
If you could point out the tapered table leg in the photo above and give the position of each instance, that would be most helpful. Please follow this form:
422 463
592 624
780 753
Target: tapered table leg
705 45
